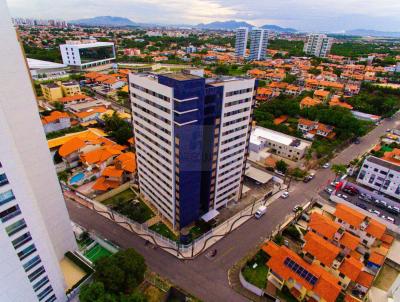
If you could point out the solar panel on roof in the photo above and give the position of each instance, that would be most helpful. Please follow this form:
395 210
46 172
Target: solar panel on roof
300 271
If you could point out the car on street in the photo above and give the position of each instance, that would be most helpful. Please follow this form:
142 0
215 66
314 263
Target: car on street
326 165
340 195
285 195
329 190
373 211
393 210
297 208
334 183
362 206
352 189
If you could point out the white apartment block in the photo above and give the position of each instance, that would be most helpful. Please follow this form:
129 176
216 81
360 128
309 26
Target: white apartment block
258 44
88 53
318 45
381 175
191 136
241 42
35 230
282 144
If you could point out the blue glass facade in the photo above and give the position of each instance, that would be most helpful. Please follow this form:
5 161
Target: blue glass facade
196 108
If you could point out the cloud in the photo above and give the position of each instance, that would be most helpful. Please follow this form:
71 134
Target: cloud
313 15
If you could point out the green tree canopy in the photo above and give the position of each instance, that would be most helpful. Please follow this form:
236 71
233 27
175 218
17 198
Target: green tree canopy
339 169
281 166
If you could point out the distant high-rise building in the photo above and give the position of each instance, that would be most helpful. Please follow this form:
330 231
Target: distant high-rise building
318 45
397 68
258 44
191 137
35 230
241 42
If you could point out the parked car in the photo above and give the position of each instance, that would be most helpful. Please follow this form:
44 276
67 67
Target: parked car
329 190
297 208
348 191
334 183
362 206
393 210
260 212
376 212
345 197
285 195
307 178
352 189
326 165
391 219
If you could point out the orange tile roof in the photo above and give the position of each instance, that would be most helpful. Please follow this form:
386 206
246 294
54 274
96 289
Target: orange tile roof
349 215
112 171
71 146
75 97
127 161
356 255
392 156
365 279
99 155
309 102
102 184
376 258
323 225
305 122
92 75
85 114
281 119
326 287
351 267
54 116
280 85
321 93
350 241
320 248
386 238
376 228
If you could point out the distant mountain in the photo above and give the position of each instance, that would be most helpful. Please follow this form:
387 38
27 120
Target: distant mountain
372 33
279 29
227 25
104 21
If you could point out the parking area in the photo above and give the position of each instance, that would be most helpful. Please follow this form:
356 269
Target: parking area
368 200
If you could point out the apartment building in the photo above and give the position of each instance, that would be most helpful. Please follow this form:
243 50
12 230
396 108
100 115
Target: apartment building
258 44
318 45
381 174
241 42
53 92
191 137
87 53
279 143
35 227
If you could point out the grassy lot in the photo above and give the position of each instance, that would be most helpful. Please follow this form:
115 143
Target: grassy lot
256 276
386 277
163 230
126 195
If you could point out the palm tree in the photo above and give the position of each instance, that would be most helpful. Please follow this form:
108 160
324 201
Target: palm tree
339 169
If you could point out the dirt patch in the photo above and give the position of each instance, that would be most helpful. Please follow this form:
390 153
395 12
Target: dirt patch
386 277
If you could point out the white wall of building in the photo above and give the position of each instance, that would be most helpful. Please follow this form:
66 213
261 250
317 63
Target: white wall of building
27 163
241 42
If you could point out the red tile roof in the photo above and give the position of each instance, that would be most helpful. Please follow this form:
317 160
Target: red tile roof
349 215
350 241
320 248
323 225
365 279
351 267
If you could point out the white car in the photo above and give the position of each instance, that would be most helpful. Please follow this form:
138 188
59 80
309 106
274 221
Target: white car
345 197
334 183
285 195
326 166
297 208
329 190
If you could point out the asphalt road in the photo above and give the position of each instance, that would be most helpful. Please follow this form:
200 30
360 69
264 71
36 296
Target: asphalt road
207 279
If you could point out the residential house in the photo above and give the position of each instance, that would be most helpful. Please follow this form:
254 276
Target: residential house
336 101
311 128
56 121
309 102
322 95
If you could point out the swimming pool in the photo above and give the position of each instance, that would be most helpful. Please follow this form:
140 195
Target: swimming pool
76 178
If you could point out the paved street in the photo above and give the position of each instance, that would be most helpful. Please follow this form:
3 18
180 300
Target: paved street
202 277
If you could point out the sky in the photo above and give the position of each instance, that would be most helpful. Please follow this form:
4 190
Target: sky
307 15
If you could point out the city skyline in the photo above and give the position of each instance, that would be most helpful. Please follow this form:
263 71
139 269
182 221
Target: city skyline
308 15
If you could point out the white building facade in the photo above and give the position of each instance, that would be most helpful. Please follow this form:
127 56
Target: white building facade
318 45
87 53
241 42
258 44
191 138
35 231
380 175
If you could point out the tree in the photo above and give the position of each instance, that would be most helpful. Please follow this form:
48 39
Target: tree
339 169
95 292
122 272
289 78
119 129
281 166
221 69
58 106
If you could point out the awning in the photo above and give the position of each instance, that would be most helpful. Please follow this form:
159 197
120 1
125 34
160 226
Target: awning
258 175
210 215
